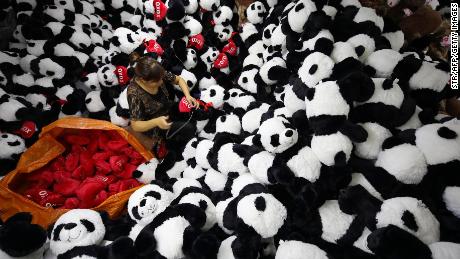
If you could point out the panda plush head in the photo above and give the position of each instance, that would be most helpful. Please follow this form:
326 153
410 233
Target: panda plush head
126 39
224 33
315 68
248 77
223 16
229 123
427 139
209 55
91 82
364 45
259 211
215 95
106 76
209 5
145 172
255 13
147 202
276 135
191 6
191 59
76 228
192 26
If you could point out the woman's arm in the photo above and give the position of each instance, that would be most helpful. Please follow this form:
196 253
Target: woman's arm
183 85
142 126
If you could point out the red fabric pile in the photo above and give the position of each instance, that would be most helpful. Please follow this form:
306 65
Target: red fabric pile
96 165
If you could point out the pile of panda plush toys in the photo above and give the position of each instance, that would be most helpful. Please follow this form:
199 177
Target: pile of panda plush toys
324 140
71 58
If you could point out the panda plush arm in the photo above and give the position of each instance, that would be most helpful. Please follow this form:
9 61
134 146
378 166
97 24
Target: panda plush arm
396 243
357 200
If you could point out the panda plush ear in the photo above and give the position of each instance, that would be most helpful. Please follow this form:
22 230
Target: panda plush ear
25 217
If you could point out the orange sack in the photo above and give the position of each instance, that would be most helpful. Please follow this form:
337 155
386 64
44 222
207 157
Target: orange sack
45 150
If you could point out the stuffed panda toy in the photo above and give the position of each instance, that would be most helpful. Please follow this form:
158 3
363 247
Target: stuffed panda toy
12 241
72 100
338 139
275 135
13 147
200 198
407 213
15 110
77 233
98 103
145 204
254 214
389 100
160 237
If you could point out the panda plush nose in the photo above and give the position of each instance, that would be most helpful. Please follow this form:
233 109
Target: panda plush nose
70 226
289 133
260 203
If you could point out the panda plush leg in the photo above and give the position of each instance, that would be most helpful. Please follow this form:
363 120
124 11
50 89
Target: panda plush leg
395 243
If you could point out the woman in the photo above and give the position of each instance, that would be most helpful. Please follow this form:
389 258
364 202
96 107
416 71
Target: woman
151 97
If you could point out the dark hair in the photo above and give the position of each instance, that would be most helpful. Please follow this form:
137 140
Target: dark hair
147 68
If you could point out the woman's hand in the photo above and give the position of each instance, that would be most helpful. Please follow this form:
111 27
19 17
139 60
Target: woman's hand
192 101
162 122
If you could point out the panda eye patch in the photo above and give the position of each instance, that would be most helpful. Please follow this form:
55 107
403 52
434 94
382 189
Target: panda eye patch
70 226
62 2
88 225
234 94
50 73
313 69
13 144
142 203
253 7
259 7
153 194
409 220
299 7
218 13
213 92
447 133
57 231
245 80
